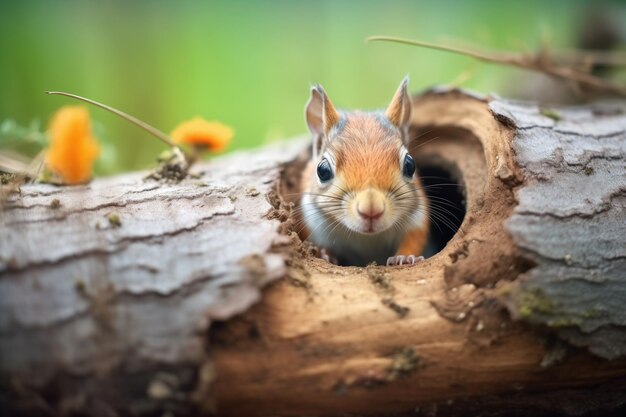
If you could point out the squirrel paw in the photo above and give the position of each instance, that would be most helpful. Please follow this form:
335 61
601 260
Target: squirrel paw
404 260
325 255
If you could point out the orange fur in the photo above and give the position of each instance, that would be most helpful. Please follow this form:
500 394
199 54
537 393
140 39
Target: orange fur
415 240
366 154
413 243
371 148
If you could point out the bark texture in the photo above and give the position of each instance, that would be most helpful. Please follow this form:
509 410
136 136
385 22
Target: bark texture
571 222
108 291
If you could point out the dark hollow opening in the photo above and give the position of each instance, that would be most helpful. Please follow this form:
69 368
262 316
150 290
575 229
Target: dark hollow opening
442 181
446 205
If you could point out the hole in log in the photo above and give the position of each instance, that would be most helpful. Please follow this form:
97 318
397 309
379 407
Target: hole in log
446 205
449 160
452 168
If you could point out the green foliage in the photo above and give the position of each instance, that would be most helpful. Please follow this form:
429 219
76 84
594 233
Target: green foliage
248 64
27 140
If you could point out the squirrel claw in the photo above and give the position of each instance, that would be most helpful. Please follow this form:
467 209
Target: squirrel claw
325 255
403 260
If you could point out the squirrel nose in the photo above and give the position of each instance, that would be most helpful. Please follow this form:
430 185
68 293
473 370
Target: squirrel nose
371 212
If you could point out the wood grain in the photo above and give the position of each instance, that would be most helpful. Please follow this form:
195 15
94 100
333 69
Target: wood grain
134 297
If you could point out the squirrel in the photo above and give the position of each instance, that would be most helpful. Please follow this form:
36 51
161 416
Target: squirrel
362 200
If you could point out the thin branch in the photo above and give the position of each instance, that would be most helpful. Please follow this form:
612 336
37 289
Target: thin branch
583 56
152 130
488 57
540 62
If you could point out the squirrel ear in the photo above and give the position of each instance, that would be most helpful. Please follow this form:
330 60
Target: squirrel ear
321 115
399 110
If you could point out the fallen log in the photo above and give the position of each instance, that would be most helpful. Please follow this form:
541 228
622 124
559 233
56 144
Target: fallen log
128 296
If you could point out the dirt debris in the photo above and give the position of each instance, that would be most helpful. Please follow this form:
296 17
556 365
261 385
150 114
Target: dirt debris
255 265
252 192
403 363
298 274
550 113
173 167
555 354
7 178
400 310
379 278
114 220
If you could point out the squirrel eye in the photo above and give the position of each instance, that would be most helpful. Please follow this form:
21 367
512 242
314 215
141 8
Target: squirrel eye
324 171
408 168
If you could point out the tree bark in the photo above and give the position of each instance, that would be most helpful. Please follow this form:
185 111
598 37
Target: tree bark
128 296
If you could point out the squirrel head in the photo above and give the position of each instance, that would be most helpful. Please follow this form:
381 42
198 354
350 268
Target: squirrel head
364 177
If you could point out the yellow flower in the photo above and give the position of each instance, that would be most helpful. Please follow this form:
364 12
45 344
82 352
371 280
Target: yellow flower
73 149
200 133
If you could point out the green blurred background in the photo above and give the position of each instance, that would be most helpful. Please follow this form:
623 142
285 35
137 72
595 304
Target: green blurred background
248 64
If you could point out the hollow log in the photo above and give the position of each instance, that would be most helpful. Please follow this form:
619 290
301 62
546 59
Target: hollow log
129 296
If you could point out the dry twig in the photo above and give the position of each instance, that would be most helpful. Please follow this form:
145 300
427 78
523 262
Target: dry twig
576 71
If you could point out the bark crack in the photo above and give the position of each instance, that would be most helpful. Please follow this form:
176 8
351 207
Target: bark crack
617 133
120 245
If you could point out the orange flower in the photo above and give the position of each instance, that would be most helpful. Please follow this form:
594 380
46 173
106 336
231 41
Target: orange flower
73 149
199 133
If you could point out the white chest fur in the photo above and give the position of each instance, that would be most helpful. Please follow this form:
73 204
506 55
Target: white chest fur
348 246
